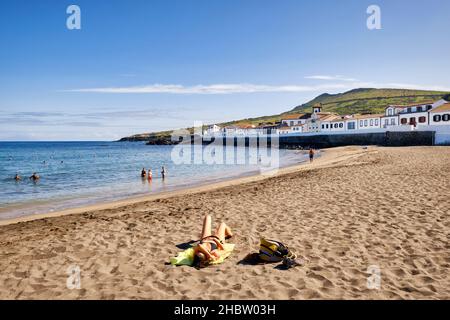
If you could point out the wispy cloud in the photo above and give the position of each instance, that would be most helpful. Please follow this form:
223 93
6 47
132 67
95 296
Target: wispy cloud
99 118
340 84
331 78
212 89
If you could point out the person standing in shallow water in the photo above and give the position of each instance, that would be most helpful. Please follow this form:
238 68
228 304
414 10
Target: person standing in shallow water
143 173
163 172
35 177
311 155
149 174
17 177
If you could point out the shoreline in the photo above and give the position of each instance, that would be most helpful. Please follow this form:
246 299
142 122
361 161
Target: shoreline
326 157
54 196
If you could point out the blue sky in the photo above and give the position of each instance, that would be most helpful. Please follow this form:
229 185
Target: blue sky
140 66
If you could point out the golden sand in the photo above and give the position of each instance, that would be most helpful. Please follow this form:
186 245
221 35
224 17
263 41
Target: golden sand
351 209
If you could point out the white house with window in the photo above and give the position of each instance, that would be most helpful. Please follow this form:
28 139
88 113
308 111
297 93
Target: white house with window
415 115
333 123
297 128
295 119
368 121
284 129
441 115
213 129
390 117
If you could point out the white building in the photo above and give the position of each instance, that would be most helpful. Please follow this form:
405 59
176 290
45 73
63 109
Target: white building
390 117
295 119
240 130
332 122
415 115
409 117
284 129
368 121
212 129
441 115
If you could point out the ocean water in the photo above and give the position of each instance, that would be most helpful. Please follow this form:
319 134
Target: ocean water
81 173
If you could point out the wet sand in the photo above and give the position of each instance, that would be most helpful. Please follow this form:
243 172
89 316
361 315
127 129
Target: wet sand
350 209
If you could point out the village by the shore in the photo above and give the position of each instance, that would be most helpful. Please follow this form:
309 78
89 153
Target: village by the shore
425 116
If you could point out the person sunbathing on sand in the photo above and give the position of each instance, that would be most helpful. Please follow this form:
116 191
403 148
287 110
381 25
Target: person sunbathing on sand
210 246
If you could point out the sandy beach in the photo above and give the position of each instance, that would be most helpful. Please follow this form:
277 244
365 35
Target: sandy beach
350 209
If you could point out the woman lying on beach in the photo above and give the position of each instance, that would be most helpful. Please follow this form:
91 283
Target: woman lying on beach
210 246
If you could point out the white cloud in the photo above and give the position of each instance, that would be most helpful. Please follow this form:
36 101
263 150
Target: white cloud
330 87
212 89
333 78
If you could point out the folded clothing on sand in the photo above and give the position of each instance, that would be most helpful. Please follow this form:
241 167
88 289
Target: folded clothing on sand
186 257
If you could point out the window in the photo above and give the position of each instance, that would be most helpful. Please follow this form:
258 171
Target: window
393 121
409 110
437 118
351 126
360 123
422 119
412 121
335 125
365 123
341 125
371 122
429 107
390 112
292 123
404 121
446 117
323 126
386 122
376 122
419 109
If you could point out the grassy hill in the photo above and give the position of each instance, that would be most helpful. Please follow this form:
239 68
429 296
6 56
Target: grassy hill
364 100
369 100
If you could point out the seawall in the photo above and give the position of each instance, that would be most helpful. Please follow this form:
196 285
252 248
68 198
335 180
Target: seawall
389 139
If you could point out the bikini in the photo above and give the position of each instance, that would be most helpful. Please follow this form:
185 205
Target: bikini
213 243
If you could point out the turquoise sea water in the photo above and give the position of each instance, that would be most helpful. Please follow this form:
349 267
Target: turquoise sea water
80 173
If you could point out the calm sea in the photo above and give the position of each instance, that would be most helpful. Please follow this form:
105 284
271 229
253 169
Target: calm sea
80 173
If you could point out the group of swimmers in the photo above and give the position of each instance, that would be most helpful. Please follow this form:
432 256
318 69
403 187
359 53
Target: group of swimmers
34 177
149 173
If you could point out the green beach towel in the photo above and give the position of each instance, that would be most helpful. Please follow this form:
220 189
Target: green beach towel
186 257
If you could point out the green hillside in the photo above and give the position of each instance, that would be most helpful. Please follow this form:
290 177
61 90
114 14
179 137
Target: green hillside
369 100
355 101
350 102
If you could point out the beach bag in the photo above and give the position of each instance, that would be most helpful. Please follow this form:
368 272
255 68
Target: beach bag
275 251
272 251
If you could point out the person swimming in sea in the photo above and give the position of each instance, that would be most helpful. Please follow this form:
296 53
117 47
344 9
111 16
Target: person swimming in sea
35 177
163 172
149 174
17 177
143 173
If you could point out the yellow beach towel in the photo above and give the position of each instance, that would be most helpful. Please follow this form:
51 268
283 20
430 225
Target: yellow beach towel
186 257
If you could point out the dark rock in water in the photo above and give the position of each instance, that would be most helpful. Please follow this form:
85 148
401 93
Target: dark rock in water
161 142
